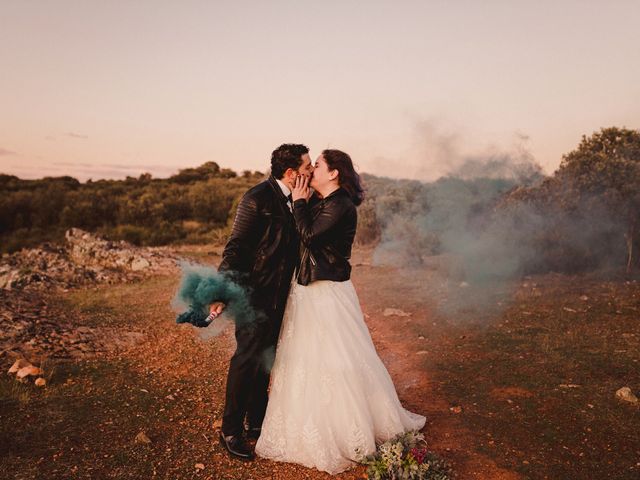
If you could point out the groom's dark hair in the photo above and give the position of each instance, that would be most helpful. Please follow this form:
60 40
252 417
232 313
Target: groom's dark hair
287 155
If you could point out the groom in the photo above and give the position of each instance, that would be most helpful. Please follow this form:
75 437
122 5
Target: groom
261 254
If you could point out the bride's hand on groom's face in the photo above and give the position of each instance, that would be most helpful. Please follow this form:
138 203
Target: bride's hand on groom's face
301 188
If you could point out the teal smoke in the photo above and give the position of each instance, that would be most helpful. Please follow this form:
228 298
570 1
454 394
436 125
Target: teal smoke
201 286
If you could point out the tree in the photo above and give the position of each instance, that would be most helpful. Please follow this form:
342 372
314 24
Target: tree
203 172
607 165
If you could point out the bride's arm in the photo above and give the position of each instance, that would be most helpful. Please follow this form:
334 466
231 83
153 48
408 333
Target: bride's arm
310 229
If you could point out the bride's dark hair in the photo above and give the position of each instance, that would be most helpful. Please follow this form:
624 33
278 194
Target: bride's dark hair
348 178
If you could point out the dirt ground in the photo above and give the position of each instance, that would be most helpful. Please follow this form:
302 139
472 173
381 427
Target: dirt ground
517 381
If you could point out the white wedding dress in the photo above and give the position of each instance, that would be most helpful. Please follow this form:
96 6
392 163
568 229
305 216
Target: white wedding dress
331 397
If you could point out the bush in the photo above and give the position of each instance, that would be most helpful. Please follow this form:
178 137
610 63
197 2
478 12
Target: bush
142 211
368 231
129 233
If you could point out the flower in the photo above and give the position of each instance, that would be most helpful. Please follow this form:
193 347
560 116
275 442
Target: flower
418 454
405 457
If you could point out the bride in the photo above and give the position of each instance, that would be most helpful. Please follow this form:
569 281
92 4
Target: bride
331 397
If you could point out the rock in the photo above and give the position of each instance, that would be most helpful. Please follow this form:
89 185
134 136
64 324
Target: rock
142 438
84 259
388 312
584 298
139 264
464 284
27 371
18 364
8 277
29 328
40 382
626 395
455 409
199 466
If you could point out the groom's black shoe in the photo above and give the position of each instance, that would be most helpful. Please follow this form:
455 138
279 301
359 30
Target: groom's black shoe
236 446
254 433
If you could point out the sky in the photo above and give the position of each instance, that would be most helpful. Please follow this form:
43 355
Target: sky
409 89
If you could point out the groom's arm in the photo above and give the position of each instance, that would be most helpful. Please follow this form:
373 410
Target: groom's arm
240 252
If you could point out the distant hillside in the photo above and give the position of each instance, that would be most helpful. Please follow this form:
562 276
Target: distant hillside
194 205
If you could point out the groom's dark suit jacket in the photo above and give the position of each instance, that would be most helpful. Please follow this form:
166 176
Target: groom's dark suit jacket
262 251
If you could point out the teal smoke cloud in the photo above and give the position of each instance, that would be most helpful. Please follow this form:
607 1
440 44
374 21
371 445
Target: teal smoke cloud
201 286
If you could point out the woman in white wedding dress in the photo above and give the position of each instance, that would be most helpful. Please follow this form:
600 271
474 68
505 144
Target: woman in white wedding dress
331 397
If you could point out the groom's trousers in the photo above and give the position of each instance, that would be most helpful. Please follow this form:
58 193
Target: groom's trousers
249 373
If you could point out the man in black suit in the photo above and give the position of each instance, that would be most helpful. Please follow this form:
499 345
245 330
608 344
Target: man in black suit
262 254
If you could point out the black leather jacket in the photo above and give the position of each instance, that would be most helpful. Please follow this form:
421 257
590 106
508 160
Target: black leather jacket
262 251
326 228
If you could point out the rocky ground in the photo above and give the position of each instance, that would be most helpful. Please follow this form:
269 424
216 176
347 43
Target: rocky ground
83 260
517 381
33 324
36 326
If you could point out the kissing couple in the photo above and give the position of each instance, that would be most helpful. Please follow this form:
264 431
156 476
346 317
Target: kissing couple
326 398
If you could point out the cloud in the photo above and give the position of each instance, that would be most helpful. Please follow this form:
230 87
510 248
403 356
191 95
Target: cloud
4 151
77 135
120 167
84 171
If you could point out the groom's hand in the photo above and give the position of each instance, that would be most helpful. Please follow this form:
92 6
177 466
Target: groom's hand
217 308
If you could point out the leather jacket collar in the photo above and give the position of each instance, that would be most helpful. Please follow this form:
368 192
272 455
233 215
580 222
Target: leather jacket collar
274 184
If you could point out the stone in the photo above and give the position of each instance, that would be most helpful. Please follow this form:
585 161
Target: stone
40 382
388 312
626 395
28 371
18 364
139 264
8 277
142 438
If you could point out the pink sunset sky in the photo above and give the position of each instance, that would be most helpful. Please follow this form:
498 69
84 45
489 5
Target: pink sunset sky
106 89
